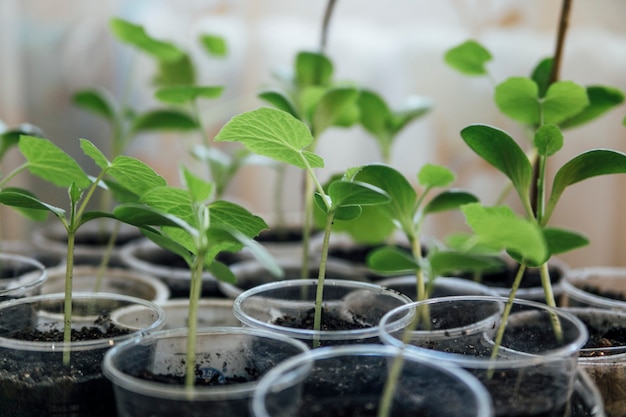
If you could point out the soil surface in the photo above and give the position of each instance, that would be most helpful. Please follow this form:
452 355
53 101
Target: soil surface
329 321
614 295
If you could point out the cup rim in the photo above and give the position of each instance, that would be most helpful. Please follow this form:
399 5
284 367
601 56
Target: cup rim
577 274
35 281
81 345
570 349
299 364
307 334
180 392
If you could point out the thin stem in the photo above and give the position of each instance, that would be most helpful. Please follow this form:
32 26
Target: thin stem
67 304
319 293
566 7
194 297
106 256
326 23
13 174
307 225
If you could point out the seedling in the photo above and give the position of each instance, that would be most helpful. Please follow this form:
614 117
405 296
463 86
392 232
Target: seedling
47 161
188 222
278 135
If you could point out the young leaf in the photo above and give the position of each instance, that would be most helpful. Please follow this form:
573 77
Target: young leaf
431 175
518 98
586 165
449 200
601 100
414 108
561 241
541 75
199 190
332 107
135 175
272 133
390 259
222 272
49 162
500 150
564 99
143 216
312 69
500 227
344 193
96 101
215 45
136 36
279 100
469 58
375 115
94 153
548 140
23 199
183 94
236 217
34 213
176 72
10 138
164 119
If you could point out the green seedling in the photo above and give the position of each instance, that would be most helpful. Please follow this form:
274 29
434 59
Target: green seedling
277 134
188 222
48 162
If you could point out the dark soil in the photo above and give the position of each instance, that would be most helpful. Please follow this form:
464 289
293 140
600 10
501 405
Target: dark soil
204 377
278 235
34 384
505 277
329 321
603 337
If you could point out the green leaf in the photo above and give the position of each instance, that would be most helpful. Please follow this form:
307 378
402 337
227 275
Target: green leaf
518 98
35 214
164 119
97 101
215 45
175 72
23 199
541 75
586 165
171 200
236 217
431 175
94 153
272 133
469 58
135 35
312 69
169 244
11 138
548 140
402 194
183 94
375 115
564 99
144 217
372 226
390 259
561 241
333 106
344 193
222 272
449 200
450 262
279 100
199 190
601 100
50 163
135 175
500 150
500 227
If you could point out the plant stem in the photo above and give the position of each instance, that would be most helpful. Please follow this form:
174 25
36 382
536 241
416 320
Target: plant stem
307 224
192 324
326 23
106 256
67 304
319 293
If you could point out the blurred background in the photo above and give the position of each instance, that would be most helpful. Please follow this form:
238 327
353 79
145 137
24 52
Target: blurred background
51 49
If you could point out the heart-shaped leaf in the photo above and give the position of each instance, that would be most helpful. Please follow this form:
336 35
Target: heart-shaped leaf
332 107
215 45
390 259
548 140
518 98
469 58
272 133
564 99
431 175
312 68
